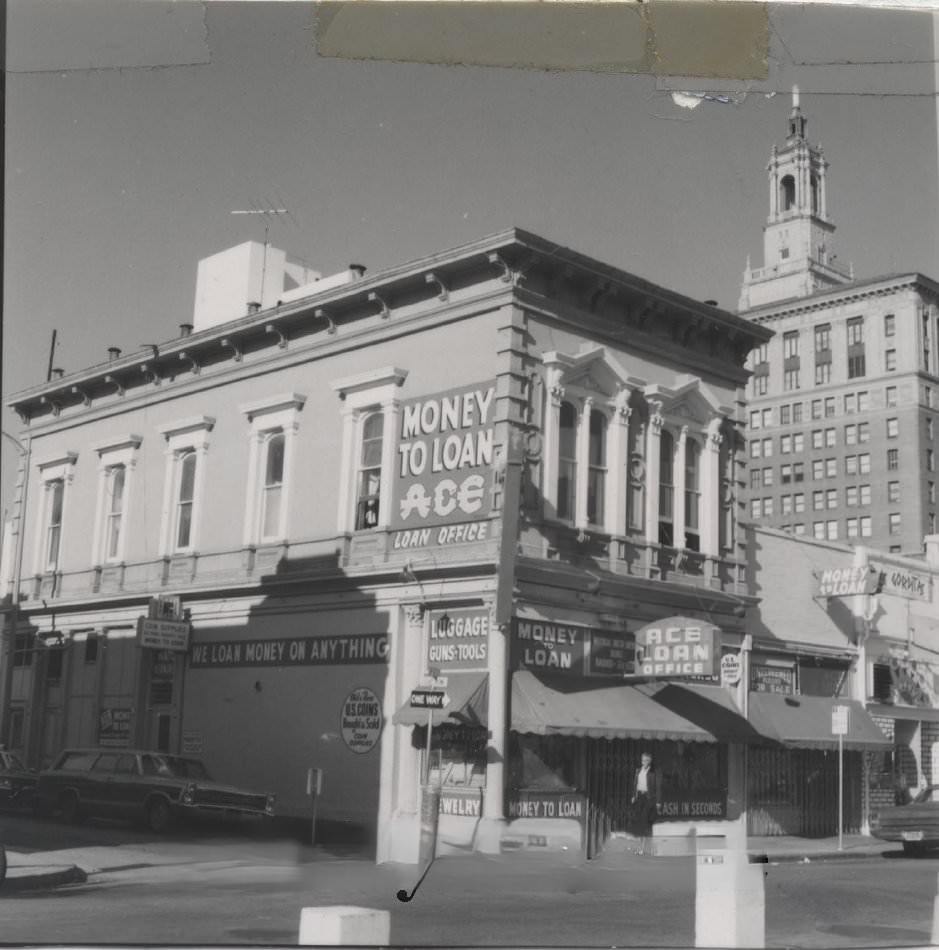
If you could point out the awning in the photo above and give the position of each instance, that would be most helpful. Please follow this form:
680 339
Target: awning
804 722
468 706
916 713
691 712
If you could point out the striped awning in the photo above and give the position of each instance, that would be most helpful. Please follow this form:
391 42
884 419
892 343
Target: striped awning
688 711
468 706
804 722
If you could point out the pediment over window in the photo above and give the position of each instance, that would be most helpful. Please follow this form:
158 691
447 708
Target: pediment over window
591 372
690 399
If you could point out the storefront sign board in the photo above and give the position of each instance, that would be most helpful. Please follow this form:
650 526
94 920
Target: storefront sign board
730 669
535 804
440 536
904 583
773 679
610 654
552 647
443 464
464 803
291 651
703 804
163 634
459 639
361 720
678 647
847 581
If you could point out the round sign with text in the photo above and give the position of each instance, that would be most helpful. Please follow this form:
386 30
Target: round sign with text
361 720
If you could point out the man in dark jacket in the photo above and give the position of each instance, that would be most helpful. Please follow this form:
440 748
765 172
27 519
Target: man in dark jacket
645 802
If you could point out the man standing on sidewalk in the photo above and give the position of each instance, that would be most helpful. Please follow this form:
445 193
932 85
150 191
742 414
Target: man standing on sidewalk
645 802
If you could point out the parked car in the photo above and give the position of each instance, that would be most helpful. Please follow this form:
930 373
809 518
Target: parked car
915 826
154 787
17 783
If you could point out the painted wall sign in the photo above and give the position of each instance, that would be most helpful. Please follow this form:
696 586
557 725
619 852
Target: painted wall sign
610 654
847 581
440 536
459 639
444 459
361 720
678 646
534 804
163 634
705 803
903 583
294 651
730 669
541 645
114 726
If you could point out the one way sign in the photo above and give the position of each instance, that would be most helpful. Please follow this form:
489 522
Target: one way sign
429 699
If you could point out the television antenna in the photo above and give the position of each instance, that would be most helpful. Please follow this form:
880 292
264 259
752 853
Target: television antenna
268 214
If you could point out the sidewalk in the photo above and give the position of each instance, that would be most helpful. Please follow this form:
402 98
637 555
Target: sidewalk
40 870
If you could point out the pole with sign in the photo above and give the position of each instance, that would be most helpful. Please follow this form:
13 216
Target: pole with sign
429 699
839 728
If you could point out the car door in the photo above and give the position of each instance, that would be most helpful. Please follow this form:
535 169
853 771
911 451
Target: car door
129 789
99 794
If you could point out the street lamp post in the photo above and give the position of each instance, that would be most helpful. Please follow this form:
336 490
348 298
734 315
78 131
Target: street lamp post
12 612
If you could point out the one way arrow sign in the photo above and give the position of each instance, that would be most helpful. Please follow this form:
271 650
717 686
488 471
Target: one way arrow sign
429 699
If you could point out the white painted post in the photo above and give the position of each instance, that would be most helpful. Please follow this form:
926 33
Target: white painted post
730 902
344 925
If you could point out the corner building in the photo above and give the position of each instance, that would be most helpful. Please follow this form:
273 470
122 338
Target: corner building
843 399
484 471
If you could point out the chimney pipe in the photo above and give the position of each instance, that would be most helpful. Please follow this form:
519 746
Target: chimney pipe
253 306
57 372
185 329
358 269
711 303
114 353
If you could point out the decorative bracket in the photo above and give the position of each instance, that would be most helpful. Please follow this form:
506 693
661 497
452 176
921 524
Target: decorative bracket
500 262
150 372
56 407
25 417
85 398
191 360
321 314
385 311
281 339
443 292
114 381
230 344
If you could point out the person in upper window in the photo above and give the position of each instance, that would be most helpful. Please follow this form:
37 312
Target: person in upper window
645 802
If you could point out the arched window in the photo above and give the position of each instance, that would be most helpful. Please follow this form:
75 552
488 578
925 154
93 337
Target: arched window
184 499
273 488
596 477
567 461
369 475
692 495
787 193
666 488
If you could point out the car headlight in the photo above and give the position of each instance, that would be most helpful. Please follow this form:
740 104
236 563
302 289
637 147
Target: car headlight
189 794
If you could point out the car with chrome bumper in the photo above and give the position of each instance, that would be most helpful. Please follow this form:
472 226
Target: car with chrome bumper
914 826
154 787
17 783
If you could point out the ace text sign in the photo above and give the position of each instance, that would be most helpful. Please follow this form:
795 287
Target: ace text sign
678 646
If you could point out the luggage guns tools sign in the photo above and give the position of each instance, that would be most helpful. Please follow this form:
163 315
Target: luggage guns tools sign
678 646
361 720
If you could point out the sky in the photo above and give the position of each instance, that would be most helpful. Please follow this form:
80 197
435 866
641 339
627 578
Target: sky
134 129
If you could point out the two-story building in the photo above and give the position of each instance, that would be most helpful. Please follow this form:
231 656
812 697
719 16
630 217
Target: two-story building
484 470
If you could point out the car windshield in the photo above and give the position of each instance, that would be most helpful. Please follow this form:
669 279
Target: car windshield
173 765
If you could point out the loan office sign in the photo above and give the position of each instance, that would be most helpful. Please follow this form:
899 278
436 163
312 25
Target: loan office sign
443 468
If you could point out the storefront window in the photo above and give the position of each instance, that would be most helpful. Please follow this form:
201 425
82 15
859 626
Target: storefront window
457 755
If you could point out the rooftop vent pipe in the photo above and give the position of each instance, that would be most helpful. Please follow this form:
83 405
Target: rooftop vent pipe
114 353
711 303
185 329
358 269
57 372
253 306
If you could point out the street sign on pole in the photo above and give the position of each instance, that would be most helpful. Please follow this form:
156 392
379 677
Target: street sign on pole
839 720
429 699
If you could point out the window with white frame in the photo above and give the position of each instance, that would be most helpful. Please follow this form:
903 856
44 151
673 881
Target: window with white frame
274 425
117 460
187 443
798 442
567 462
798 502
692 495
596 469
369 419
666 488
56 475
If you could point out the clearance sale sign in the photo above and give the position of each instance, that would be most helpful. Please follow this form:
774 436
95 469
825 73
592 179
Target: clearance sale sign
443 468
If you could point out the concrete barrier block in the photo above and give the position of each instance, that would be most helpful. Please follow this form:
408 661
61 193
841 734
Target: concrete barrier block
730 902
344 925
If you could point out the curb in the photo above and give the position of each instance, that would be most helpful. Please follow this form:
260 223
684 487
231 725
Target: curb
799 858
43 879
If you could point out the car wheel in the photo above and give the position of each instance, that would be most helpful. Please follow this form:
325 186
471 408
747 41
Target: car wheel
159 816
69 807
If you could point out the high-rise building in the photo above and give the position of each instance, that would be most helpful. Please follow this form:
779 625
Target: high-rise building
842 428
